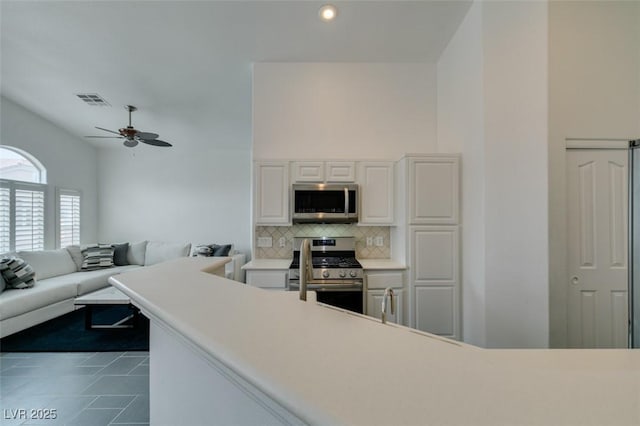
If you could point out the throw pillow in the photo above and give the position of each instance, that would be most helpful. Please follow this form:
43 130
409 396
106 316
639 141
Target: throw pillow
204 250
222 250
213 250
3 284
136 253
120 254
97 257
17 273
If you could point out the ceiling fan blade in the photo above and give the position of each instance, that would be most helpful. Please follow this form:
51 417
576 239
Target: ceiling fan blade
147 135
155 142
105 137
130 143
107 130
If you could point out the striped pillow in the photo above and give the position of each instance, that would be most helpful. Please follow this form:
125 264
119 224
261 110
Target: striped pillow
97 257
17 273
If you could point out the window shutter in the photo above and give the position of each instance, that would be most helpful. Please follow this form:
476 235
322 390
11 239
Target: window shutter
5 219
29 219
69 217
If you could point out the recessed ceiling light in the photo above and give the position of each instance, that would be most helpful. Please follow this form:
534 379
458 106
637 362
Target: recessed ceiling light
328 12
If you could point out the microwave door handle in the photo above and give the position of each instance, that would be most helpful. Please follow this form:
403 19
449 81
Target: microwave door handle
346 201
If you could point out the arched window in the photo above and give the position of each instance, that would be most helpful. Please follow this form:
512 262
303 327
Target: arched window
19 165
22 199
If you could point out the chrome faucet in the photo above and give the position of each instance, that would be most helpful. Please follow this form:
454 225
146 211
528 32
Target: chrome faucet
388 294
306 271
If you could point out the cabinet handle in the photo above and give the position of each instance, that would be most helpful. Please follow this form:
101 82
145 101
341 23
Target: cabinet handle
575 280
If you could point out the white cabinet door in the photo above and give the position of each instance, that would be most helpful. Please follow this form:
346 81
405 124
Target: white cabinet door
308 171
374 305
340 171
272 279
272 193
376 180
435 280
433 189
381 279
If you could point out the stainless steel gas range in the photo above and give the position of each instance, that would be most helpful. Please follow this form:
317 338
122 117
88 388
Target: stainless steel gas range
337 275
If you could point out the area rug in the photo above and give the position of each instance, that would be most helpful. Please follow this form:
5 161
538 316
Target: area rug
67 334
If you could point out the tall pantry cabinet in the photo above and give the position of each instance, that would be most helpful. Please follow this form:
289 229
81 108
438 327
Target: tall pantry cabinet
429 194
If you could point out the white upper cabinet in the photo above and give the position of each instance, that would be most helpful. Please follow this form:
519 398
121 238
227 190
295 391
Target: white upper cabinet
433 189
271 193
308 171
376 180
324 171
340 171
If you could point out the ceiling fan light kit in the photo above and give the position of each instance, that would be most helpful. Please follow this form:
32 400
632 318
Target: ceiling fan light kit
131 135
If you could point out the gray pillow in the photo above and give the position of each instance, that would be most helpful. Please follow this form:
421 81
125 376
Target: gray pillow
222 250
17 273
120 254
3 284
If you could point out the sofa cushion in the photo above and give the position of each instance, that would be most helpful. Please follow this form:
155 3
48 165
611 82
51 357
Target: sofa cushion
44 293
3 284
97 257
136 253
158 251
75 252
97 279
49 263
17 273
120 254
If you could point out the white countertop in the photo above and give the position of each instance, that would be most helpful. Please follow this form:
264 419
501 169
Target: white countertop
369 264
323 363
267 264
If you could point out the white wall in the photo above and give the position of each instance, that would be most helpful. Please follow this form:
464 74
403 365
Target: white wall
516 204
461 129
70 162
196 192
492 105
594 92
343 110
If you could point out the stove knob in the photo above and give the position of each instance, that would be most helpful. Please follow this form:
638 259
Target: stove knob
325 274
343 274
352 274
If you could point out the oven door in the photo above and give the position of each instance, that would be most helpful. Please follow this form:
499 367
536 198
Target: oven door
346 295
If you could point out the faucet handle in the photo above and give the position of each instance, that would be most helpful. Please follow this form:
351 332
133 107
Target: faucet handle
388 293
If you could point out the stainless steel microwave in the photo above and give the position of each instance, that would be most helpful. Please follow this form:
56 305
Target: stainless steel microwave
324 203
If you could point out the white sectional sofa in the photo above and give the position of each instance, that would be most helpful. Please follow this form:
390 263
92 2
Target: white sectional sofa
59 280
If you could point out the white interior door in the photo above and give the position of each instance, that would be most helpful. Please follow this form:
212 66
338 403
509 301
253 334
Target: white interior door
597 248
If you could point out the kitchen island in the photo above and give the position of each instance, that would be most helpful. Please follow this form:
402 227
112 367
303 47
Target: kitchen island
227 353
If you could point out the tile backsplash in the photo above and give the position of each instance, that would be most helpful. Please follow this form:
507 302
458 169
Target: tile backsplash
361 233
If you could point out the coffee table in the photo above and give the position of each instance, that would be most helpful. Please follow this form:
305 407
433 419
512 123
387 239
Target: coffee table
104 297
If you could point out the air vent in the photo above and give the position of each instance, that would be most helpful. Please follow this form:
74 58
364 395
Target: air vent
92 99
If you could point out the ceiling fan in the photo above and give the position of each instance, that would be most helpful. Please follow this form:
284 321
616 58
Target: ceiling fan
133 136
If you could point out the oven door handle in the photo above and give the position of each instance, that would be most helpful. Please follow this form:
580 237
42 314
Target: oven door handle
329 285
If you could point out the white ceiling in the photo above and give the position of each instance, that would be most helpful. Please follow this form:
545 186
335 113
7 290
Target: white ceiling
187 64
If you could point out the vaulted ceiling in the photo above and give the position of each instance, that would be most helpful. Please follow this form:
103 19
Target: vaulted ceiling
187 64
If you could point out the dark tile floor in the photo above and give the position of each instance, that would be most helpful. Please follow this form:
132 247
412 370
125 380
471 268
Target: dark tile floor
84 388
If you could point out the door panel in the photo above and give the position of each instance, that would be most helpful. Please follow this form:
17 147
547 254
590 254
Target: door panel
597 248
